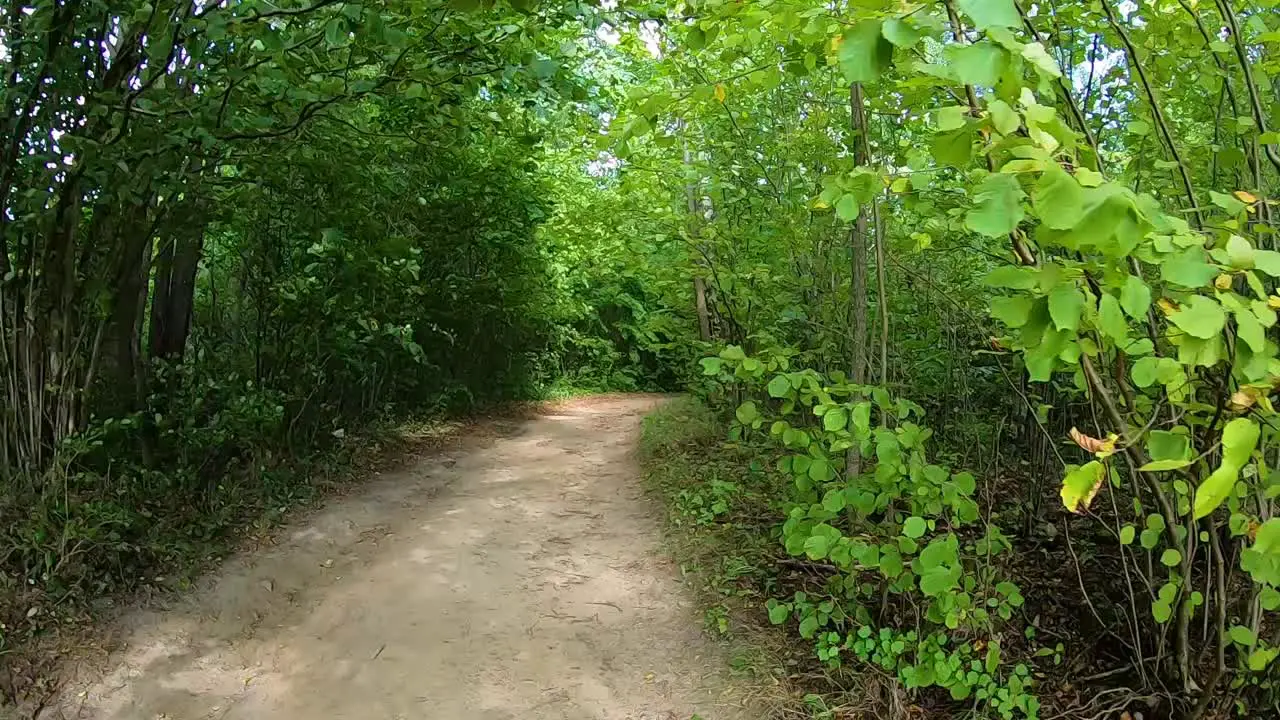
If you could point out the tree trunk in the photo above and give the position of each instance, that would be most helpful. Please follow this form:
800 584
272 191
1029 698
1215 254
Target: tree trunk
699 284
882 296
858 256
174 298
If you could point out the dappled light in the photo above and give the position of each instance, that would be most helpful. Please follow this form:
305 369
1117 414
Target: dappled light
972 304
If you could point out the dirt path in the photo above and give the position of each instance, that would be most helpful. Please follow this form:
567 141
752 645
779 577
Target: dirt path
517 579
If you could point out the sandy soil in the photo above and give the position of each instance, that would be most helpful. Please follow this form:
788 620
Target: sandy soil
519 578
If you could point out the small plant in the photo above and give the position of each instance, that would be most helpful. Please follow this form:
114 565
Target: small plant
913 581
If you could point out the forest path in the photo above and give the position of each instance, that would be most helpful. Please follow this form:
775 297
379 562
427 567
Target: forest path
519 578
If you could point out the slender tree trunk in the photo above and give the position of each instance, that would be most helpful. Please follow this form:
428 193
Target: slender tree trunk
882 296
858 257
699 284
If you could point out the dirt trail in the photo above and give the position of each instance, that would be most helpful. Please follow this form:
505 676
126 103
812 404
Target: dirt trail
519 579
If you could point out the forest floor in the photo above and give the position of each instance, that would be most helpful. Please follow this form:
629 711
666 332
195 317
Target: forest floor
516 573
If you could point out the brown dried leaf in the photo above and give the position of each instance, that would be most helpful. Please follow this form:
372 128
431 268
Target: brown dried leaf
1093 444
1241 400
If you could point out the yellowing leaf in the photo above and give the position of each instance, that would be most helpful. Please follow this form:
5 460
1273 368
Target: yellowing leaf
1081 485
720 94
1245 197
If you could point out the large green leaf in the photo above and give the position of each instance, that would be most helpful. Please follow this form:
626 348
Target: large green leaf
1111 319
991 13
1003 117
1135 297
1059 199
900 32
953 148
979 64
1012 311
864 52
1214 490
1066 302
1239 437
1200 317
998 208
1188 269
1011 276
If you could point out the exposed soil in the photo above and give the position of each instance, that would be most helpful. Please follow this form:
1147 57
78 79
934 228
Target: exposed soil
517 577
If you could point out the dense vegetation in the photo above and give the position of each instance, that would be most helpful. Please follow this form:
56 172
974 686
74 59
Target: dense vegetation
976 300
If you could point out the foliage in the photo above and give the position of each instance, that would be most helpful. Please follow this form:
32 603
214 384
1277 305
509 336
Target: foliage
236 236
232 233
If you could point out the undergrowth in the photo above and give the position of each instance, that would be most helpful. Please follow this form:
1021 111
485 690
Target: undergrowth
721 529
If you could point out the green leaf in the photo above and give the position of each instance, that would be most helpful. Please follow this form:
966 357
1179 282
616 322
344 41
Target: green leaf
1081 484
953 148
1241 635
1188 269
991 13
864 53
1059 199
820 470
808 626
1250 330
1139 128
1066 302
778 613
779 386
900 33
937 581
1135 297
1268 261
1262 657
833 501
1168 445
1111 319
980 64
1170 558
1164 465
847 207
1161 611
861 419
1003 117
998 208
1215 489
1239 437
816 547
1240 253
1127 534
1145 371
951 117
1044 63
835 419
747 413
335 33
914 527
1226 202
1012 311
1200 317
1014 277
711 365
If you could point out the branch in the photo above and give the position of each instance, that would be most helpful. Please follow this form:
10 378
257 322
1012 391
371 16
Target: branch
1156 112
